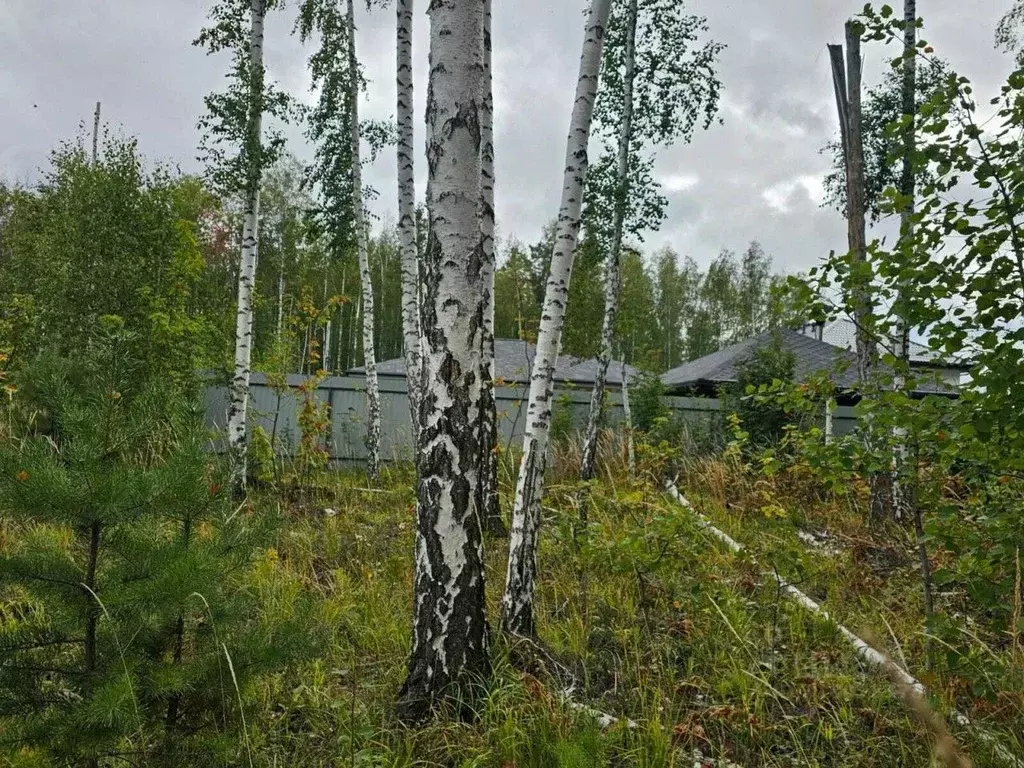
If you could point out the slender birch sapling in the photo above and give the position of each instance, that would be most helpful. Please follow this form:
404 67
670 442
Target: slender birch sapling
335 129
517 615
407 212
236 155
659 85
488 486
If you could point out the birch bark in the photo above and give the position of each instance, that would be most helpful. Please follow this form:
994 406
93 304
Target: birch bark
613 279
280 292
627 414
901 501
365 278
239 391
488 487
407 212
450 647
520 581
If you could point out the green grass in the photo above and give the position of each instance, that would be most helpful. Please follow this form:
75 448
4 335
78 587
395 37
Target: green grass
656 622
653 619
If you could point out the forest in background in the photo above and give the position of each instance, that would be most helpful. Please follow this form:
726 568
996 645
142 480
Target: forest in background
70 253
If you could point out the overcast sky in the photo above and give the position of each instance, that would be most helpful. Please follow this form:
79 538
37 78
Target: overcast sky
756 176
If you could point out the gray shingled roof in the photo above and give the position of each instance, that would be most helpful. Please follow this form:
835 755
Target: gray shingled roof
842 332
513 360
811 357
586 371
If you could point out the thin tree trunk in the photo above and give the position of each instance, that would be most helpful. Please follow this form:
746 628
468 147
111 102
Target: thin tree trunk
856 223
372 390
450 653
407 215
305 351
612 277
902 481
174 702
280 293
627 414
926 574
343 324
488 501
341 364
93 609
327 347
848 97
237 412
520 581
353 335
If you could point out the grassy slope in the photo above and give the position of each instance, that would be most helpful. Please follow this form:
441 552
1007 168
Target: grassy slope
665 628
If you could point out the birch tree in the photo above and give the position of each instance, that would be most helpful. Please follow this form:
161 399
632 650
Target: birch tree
627 415
488 486
901 332
653 95
407 211
236 154
520 580
334 127
450 648
369 355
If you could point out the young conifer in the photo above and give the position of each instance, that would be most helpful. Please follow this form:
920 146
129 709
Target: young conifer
122 586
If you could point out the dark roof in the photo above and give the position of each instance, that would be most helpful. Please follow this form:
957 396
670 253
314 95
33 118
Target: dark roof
586 371
513 359
842 333
811 357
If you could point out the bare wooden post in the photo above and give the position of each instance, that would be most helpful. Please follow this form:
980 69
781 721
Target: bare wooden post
847 83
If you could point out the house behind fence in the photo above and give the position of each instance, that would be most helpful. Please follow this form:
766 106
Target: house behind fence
277 410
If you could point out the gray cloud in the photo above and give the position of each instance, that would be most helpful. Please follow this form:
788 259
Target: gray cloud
756 176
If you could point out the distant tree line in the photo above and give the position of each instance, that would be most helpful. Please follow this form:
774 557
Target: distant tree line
671 310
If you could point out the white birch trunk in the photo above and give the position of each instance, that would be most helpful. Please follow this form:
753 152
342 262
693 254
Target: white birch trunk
488 504
612 277
627 414
365 278
901 501
520 581
407 214
450 646
280 294
327 347
237 411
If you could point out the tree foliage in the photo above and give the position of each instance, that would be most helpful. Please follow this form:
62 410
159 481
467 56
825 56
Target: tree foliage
672 311
882 117
109 238
676 91
234 157
960 271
